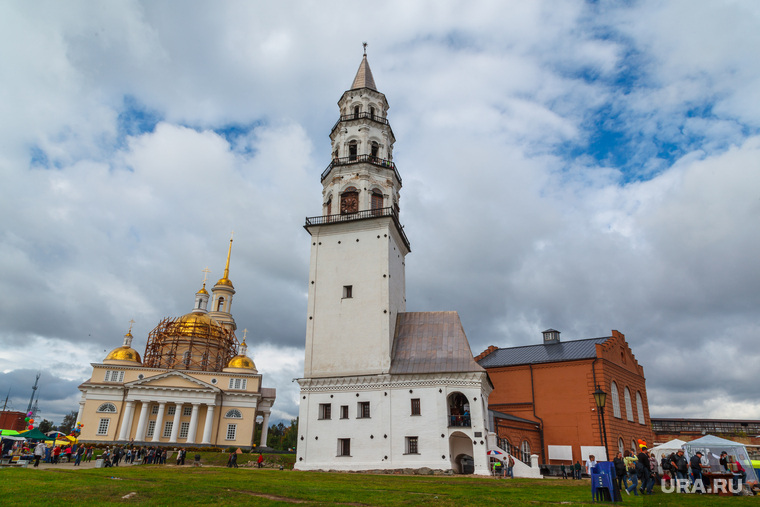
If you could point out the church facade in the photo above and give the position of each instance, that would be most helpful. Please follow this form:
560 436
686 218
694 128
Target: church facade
195 385
382 388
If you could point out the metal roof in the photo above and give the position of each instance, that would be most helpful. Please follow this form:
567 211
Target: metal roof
364 77
543 353
431 342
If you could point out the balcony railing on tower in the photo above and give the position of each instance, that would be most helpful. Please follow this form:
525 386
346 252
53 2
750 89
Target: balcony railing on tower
359 116
360 215
358 159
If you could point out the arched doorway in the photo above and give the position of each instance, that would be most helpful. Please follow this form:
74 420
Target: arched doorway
460 451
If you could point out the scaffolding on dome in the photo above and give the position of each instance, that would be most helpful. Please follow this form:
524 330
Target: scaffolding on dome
190 344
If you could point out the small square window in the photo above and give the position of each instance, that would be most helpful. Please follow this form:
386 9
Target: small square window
171 409
411 445
154 409
415 406
325 411
187 411
363 410
348 291
344 411
344 447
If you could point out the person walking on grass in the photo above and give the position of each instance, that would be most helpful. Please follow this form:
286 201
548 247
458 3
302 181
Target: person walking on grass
260 460
39 452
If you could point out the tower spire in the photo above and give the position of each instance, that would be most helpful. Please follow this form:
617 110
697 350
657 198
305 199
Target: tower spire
225 280
364 77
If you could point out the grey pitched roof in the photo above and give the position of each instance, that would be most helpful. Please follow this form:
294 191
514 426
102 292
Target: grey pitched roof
364 77
501 415
431 342
549 353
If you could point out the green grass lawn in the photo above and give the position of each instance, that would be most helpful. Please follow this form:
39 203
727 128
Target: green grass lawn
168 485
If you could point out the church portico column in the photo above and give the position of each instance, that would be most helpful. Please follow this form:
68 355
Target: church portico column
175 424
159 422
193 424
264 430
81 411
142 423
208 425
126 421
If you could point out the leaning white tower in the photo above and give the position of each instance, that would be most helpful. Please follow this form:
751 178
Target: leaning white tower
358 246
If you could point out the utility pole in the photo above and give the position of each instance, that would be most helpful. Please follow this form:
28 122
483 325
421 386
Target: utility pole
34 389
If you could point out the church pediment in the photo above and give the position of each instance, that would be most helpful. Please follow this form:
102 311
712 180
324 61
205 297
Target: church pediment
172 380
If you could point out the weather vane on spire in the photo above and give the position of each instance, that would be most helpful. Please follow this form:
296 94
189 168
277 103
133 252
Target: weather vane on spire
365 48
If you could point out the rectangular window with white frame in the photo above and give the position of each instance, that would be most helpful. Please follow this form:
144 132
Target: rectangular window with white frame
103 426
171 410
114 376
362 410
154 409
184 429
344 411
344 447
325 411
151 428
168 428
187 411
231 431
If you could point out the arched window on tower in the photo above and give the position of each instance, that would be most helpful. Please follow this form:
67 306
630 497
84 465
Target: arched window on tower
335 153
357 109
349 201
372 112
328 207
374 150
352 150
220 304
377 201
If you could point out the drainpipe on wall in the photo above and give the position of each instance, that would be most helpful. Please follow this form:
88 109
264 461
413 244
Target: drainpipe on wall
599 412
533 397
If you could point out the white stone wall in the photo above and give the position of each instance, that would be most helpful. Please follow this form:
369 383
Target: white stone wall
352 336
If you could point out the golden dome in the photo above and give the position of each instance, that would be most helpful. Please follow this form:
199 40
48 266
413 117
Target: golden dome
242 362
225 281
203 290
190 324
123 353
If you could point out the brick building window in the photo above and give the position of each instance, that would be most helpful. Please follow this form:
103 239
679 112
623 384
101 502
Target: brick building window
628 405
525 452
615 400
640 407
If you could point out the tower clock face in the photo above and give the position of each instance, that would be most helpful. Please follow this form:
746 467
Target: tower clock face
349 203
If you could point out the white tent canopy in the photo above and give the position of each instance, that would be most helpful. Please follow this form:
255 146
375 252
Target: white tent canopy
711 446
666 449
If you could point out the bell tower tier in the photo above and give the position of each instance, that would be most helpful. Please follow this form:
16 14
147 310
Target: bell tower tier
357 283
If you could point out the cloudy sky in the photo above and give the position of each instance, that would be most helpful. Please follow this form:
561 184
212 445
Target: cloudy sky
585 166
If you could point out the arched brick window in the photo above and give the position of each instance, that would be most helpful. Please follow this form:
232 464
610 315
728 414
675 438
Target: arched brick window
628 405
525 452
349 201
621 445
640 407
615 400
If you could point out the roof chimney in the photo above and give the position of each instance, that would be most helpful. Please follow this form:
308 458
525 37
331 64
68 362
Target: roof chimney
551 336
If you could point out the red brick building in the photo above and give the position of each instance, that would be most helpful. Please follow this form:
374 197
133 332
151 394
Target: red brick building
12 420
551 385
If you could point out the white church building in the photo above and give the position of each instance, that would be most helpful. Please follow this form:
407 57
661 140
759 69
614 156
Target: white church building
383 389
